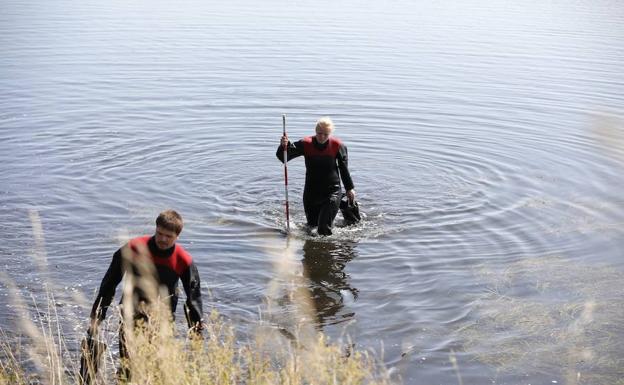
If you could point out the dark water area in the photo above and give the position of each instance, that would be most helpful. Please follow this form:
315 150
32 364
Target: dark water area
486 143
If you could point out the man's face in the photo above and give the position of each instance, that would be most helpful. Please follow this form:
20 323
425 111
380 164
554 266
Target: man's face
323 134
165 239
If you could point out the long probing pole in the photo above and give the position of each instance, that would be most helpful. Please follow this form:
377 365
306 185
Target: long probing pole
286 175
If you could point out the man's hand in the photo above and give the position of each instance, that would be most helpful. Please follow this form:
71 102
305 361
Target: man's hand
196 330
351 195
284 141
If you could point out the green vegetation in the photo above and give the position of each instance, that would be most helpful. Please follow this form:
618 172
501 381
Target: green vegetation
548 314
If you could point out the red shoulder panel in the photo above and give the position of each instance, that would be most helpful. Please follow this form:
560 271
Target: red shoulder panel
139 243
179 260
331 150
334 146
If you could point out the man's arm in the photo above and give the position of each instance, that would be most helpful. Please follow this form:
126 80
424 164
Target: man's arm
107 290
192 288
345 175
294 150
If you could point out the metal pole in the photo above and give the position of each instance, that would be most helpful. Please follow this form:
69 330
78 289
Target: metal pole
286 175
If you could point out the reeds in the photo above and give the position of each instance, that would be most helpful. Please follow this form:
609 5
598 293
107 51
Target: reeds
161 352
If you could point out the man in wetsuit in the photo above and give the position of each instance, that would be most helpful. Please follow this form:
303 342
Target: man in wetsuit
326 163
167 262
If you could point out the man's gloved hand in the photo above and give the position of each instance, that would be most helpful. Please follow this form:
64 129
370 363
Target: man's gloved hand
197 330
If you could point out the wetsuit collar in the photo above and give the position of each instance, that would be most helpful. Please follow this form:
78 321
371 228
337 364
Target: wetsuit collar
320 146
151 244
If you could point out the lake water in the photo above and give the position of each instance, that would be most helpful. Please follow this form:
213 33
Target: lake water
486 143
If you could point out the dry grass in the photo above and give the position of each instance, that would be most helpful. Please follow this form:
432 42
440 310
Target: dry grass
160 355
161 352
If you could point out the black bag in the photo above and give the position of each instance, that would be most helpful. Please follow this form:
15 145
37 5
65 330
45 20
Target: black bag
350 211
92 351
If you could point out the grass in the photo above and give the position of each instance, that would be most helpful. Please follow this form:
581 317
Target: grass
162 353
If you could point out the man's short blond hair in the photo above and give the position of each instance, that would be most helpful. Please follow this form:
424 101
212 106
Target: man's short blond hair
170 220
325 122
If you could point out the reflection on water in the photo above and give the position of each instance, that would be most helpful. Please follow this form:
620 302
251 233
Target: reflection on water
330 286
310 288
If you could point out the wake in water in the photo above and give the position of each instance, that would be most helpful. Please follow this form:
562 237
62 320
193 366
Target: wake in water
371 225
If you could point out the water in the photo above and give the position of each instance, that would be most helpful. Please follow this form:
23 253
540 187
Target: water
485 142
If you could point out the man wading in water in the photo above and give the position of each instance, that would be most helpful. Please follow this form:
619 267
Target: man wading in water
326 163
168 263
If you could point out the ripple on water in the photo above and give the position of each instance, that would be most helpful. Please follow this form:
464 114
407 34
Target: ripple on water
481 137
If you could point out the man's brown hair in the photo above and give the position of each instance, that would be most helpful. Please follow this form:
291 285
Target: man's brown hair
170 220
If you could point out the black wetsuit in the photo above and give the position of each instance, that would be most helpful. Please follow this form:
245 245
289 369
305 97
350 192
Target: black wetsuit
326 164
171 265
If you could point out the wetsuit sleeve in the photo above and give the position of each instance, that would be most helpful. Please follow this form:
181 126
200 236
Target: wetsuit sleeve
190 281
107 288
294 150
343 166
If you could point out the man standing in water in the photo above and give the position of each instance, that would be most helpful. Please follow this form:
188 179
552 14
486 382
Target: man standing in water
326 163
167 262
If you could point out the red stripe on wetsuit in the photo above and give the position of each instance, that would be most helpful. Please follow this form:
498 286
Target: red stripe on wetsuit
332 148
178 262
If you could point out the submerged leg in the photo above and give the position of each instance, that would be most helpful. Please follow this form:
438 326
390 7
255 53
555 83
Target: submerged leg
312 213
327 215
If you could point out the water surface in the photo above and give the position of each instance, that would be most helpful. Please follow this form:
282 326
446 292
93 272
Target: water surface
485 139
